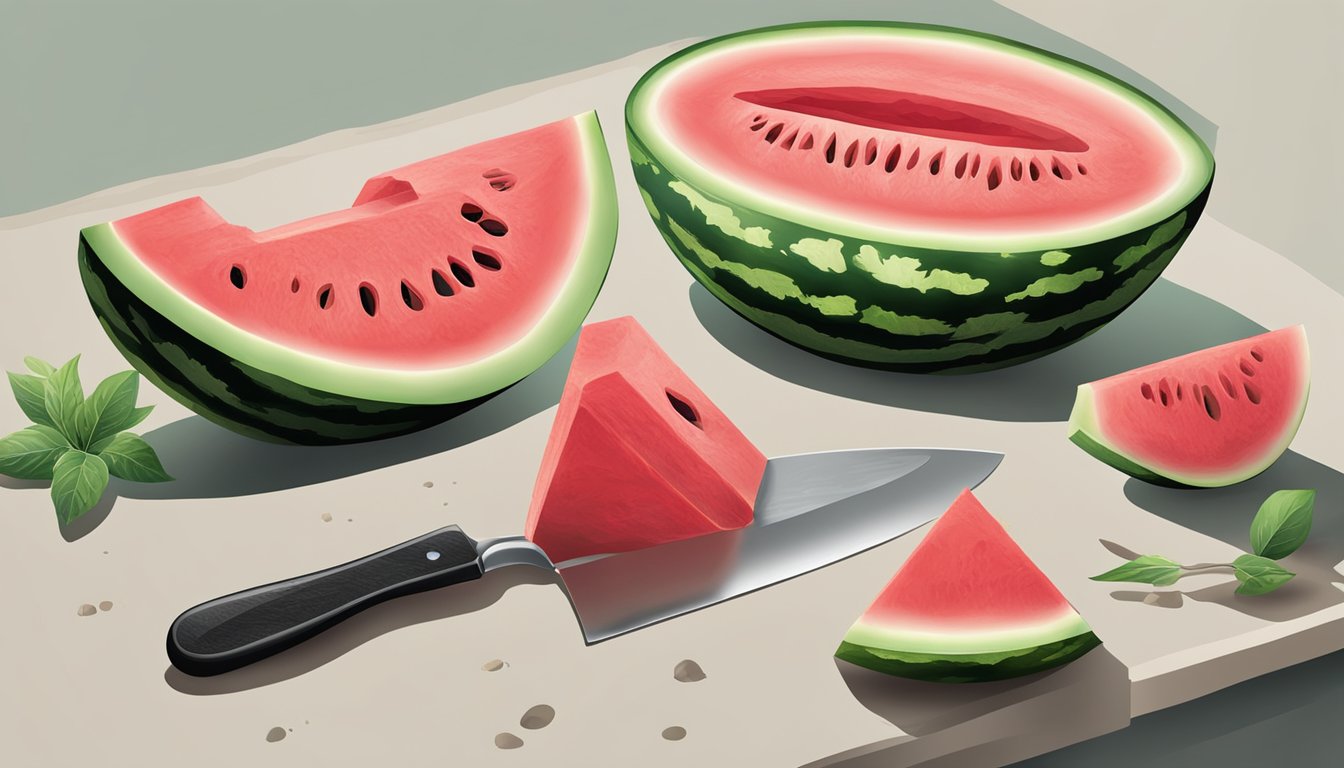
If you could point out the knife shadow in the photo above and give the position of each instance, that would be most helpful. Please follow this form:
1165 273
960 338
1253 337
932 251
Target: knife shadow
361 628
1166 321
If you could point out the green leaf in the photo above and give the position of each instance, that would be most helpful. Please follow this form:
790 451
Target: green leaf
31 454
30 393
108 409
62 395
1282 523
1259 575
40 367
1148 569
77 484
129 457
137 415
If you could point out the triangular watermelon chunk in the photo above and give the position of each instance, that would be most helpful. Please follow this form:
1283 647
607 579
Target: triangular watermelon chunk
638 454
967 606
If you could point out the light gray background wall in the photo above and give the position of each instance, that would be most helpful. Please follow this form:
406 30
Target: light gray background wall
99 93
93 94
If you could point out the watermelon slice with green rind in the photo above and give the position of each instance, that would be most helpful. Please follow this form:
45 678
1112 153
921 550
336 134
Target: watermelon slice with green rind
967 606
1206 419
447 281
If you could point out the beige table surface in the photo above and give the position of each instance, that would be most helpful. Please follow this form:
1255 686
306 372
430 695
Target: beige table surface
404 680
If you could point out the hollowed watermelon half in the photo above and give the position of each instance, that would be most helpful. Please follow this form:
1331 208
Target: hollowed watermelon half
447 281
967 606
1207 419
912 197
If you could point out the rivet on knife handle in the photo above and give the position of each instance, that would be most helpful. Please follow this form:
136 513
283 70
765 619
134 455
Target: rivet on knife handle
238 629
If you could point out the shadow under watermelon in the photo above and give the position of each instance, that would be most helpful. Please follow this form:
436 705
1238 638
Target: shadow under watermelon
1226 513
195 449
1083 699
1168 320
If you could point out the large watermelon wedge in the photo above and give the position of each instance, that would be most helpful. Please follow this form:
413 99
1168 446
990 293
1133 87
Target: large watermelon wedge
447 281
1210 418
967 606
912 197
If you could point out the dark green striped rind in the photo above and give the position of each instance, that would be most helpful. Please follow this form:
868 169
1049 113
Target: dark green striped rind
969 668
235 395
890 305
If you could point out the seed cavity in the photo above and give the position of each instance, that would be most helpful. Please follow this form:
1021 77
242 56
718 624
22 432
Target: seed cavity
441 284
1211 406
959 170
852 153
1060 170
1164 391
773 133
368 298
294 285
486 259
1246 367
1034 170
893 157
975 166
472 212
500 179
462 274
1252 392
936 164
993 178
913 161
830 149
870 152
494 227
787 143
806 143
325 298
237 277
683 408
1147 391
758 126
411 297
1257 354
1227 385
1015 169
1082 170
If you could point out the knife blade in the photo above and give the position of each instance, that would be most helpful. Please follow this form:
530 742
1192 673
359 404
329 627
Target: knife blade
811 510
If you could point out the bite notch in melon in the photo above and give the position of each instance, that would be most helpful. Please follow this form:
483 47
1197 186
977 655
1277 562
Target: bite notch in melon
448 280
912 197
638 455
967 606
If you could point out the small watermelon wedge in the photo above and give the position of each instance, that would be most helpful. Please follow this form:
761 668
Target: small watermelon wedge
638 454
1207 419
967 606
447 281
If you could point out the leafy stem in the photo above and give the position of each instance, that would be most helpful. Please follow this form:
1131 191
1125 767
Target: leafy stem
77 443
1279 528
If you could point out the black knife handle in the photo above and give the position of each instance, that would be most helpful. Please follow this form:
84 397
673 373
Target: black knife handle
235 630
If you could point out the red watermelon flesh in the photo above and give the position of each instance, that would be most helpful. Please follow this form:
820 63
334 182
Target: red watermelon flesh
638 454
783 112
423 256
968 605
968 575
1210 418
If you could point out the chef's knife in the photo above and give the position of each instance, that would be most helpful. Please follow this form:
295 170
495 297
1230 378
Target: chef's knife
811 510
